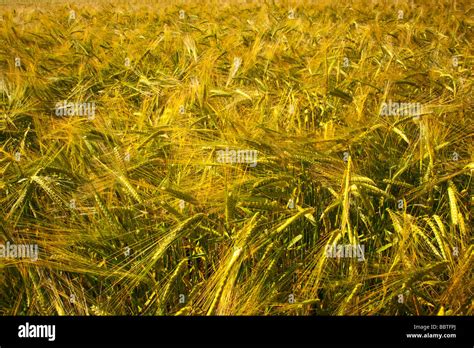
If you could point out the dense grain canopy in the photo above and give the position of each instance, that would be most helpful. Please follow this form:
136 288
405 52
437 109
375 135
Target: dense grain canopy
236 157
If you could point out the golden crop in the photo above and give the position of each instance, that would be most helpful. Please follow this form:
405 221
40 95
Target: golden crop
237 157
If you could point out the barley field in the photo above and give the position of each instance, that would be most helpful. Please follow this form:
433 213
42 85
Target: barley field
236 157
